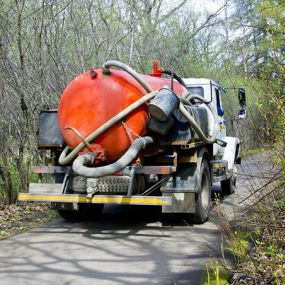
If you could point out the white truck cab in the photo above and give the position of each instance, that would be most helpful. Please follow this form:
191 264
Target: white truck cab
213 93
230 151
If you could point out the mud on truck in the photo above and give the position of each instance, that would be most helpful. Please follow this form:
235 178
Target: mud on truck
119 137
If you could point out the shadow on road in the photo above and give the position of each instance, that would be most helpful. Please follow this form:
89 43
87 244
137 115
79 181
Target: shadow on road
126 245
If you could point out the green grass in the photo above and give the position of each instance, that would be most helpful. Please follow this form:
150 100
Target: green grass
23 217
238 244
216 274
250 152
3 234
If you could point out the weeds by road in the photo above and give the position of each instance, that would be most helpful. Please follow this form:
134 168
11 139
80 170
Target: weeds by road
18 218
260 235
255 236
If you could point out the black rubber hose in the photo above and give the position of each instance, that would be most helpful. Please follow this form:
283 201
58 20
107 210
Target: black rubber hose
80 164
178 78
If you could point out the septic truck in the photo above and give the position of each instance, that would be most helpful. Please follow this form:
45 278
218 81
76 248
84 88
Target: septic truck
120 137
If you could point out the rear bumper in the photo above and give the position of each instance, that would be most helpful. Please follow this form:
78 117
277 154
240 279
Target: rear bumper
98 199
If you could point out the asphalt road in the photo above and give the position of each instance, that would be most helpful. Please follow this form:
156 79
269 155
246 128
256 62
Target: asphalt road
127 245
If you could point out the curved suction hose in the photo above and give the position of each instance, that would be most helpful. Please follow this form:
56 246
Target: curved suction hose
185 99
64 158
80 164
210 107
196 127
133 73
175 76
189 96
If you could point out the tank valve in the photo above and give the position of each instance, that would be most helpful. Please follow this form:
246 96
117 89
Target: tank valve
93 73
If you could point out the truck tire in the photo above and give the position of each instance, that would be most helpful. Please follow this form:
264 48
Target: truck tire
69 215
203 197
89 212
85 212
228 186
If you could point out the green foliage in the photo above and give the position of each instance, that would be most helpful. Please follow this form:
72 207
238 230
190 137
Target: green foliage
3 234
14 175
33 177
216 274
262 229
238 246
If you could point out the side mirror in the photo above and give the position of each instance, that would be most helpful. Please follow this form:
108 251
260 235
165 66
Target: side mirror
242 103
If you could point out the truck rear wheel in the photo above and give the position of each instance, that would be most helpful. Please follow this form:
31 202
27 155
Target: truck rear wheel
203 197
228 186
69 215
85 212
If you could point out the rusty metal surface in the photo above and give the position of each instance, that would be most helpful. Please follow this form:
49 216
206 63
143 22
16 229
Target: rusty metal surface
188 158
155 169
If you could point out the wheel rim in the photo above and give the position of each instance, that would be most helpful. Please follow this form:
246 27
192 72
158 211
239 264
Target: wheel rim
205 193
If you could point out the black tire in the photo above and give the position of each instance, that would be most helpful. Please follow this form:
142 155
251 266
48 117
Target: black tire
228 186
203 197
69 215
90 212
85 212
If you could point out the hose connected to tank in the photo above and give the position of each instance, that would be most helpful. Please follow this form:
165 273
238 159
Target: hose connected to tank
65 158
196 128
186 99
128 69
79 164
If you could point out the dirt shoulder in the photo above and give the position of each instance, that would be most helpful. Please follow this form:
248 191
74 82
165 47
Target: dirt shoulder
18 218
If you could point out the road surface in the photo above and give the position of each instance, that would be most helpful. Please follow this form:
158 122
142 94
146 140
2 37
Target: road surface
127 245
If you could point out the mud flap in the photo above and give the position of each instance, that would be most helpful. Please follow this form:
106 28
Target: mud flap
230 152
183 186
181 203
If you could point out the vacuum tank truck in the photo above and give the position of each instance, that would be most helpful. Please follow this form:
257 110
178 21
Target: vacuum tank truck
119 137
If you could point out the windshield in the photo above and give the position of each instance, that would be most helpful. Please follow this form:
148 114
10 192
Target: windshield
197 90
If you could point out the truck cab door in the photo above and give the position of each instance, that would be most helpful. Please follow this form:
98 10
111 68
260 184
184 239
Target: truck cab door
217 102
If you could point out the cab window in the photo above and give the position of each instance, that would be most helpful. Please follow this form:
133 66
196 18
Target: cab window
196 90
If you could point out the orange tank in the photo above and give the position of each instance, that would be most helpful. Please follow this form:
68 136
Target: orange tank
93 98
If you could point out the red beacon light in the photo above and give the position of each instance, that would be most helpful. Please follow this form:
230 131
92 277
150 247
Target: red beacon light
157 72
